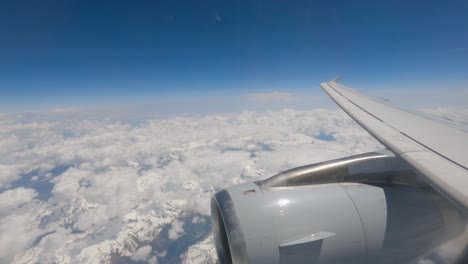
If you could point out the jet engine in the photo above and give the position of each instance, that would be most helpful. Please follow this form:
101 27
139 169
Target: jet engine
368 208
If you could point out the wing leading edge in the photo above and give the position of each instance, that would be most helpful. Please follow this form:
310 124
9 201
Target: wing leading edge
437 151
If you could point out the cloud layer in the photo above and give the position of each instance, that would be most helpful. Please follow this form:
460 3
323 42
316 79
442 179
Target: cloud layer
270 97
91 191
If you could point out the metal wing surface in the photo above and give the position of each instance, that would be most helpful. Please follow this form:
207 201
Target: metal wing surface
439 152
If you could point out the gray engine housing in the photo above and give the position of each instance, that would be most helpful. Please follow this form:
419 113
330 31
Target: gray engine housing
369 208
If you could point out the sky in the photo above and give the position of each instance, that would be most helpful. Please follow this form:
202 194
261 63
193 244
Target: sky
188 83
67 53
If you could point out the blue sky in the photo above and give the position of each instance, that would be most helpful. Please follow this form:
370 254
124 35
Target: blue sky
67 52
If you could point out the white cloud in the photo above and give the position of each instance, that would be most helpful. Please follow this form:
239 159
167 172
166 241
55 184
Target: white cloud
8 173
111 186
10 199
65 110
176 230
16 234
153 260
142 254
52 244
270 97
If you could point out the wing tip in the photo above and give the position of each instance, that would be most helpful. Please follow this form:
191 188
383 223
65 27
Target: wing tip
337 79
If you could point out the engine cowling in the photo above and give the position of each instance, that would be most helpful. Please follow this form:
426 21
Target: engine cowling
369 208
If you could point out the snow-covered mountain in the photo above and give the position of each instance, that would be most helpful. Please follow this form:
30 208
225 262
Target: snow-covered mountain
78 190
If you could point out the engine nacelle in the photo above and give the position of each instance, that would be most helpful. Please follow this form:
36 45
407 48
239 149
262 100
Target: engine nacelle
369 208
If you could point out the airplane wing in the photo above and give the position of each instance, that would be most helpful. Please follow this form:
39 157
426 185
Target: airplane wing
366 208
437 151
